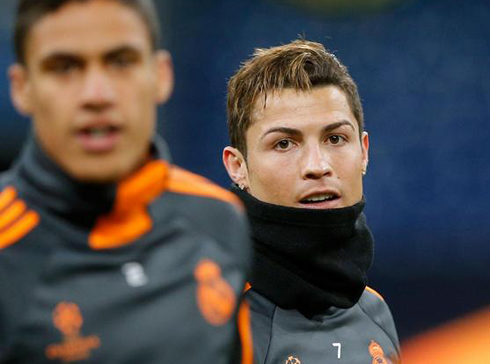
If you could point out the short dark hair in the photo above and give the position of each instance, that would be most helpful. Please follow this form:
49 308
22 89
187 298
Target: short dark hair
301 65
30 12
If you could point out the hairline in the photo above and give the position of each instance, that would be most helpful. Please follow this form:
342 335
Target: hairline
21 52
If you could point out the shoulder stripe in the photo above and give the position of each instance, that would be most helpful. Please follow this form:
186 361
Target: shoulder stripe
12 213
185 182
7 196
369 289
16 220
19 229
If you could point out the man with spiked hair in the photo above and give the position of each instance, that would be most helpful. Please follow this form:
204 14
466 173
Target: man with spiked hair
108 252
298 156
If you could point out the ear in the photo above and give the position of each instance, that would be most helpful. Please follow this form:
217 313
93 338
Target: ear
236 166
165 76
365 150
20 88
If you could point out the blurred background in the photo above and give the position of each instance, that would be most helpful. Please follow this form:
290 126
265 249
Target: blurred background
423 71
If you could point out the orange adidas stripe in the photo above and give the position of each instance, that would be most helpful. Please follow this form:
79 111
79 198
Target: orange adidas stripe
12 213
182 181
7 196
20 228
463 341
245 332
369 289
130 219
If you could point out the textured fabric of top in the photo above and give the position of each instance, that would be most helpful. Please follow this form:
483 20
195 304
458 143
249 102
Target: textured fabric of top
149 270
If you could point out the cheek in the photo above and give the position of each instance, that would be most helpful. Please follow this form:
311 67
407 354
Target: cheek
349 172
52 117
138 105
275 176
54 104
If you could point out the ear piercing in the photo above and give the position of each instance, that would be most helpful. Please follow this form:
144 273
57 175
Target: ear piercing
241 186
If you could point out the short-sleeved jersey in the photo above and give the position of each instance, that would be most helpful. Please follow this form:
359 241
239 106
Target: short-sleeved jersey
149 270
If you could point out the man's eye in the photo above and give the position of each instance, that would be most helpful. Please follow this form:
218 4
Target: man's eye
336 139
283 144
122 61
63 67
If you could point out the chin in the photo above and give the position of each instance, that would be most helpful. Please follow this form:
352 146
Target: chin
99 178
99 172
102 170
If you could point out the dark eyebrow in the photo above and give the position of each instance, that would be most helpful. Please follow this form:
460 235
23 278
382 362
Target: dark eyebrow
296 132
337 125
281 129
61 55
122 49
72 56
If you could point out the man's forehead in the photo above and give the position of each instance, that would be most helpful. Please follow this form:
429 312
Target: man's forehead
89 27
326 103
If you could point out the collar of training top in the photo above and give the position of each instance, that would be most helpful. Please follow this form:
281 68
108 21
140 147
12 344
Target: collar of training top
308 259
44 182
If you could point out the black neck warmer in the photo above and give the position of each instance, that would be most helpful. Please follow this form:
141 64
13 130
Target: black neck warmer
309 259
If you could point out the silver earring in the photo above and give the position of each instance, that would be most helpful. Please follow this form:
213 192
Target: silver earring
241 186
364 172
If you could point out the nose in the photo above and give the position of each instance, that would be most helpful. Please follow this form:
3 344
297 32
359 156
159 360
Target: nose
98 91
316 163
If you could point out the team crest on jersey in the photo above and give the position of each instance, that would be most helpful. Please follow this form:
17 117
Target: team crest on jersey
67 318
215 297
377 353
292 360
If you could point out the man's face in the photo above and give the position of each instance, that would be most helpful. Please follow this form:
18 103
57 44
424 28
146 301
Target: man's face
304 151
91 85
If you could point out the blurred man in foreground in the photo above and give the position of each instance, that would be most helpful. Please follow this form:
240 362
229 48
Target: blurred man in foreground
298 155
109 253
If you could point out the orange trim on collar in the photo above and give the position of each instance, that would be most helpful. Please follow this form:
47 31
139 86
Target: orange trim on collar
129 218
369 289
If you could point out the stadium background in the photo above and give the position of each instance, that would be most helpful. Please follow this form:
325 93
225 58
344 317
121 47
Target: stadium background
423 70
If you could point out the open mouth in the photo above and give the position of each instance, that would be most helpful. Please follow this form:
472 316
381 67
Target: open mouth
99 138
99 131
320 198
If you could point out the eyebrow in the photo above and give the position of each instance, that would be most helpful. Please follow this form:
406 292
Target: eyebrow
60 55
69 55
337 125
281 129
296 132
122 49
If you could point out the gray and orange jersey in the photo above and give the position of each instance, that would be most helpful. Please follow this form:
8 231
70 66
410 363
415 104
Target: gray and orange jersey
364 333
150 270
